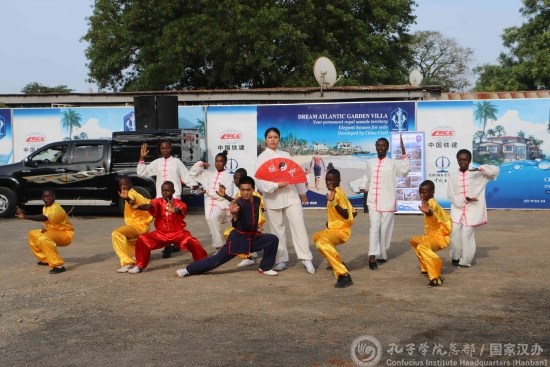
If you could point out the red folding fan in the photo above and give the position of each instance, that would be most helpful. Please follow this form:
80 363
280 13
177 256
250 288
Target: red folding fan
281 170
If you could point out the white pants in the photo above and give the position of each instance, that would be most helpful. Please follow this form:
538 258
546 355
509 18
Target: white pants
295 215
216 224
381 229
463 244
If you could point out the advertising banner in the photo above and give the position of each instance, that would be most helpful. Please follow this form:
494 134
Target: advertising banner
6 137
332 135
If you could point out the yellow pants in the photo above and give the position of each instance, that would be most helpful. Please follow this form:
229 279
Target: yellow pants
44 245
424 247
326 242
124 242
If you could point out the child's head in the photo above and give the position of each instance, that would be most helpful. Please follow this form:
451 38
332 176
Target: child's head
167 190
165 148
332 179
426 190
382 146
221 160
239 173
246 187
124 183
48 197
464 158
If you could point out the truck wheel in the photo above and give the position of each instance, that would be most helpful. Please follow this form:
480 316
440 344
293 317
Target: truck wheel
143 191
8 203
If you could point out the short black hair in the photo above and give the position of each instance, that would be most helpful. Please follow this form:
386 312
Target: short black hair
464 151
428 183
241 171
270 129
167 183
334 172
247 180
384 140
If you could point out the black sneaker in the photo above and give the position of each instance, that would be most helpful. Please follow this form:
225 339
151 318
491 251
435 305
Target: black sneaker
42 264
455 262
57 270
169 250
435 283
343 281
373 266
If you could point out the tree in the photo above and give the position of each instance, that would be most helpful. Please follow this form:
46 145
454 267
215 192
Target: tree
484 112
441 60
526 64
500 130
151 45
70 120
37 88
491 133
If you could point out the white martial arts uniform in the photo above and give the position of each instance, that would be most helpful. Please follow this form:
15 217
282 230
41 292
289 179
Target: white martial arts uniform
167 169
467 215
216 208
380 182
281 202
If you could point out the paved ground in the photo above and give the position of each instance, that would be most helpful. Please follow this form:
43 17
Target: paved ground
93 316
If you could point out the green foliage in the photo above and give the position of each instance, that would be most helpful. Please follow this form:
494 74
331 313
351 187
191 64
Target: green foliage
526 64
37 88
442 61
173 44
70 120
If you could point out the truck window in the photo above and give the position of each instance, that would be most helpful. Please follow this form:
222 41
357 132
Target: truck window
87 153
52 155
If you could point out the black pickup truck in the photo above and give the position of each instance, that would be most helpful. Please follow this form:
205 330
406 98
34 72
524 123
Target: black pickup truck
85 172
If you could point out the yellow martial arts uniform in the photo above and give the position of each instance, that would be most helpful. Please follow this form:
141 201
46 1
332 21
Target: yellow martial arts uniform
261 220
437 229
137 222
57 231
338 231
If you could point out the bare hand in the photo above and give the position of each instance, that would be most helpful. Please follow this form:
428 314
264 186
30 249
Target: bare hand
331 194
205 164
282 184
123 194
303 199
221 191
425 207
144 151
402 144
470 200
170 206
234 208
19 213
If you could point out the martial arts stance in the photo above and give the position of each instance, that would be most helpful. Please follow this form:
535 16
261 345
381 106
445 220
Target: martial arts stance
136 221
437 229
57 231
379 184
169 214
244 239
466 190
340 214
216 207
284 200
165 168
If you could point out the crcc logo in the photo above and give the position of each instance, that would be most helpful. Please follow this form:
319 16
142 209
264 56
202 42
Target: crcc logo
366 351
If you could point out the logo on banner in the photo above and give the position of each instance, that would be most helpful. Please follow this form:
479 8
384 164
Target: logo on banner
130 122
399 121
2 127
232 165
230 136
443 133
442 163
35 138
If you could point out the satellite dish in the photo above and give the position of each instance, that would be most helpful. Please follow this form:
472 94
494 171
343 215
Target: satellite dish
325 72
415 77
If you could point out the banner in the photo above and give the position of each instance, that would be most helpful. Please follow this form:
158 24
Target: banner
6 137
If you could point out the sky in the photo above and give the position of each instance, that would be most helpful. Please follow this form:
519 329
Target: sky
41 42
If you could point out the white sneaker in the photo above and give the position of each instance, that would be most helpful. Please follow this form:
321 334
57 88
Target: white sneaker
309 266
135 270
246 262
268 272
280 266
182 272
125 268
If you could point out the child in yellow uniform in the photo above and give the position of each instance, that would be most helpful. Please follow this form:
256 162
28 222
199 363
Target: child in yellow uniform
340 214
437 231
136 222
57 231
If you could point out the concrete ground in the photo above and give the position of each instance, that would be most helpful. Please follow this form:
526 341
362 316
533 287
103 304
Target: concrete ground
494 313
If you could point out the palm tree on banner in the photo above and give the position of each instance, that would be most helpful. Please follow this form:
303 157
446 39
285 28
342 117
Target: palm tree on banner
484 112
500 130
71 119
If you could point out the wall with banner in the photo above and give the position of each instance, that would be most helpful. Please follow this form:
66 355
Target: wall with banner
513 134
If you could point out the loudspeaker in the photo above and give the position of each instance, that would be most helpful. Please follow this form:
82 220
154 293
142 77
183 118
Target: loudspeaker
156 112
146 113
167 112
